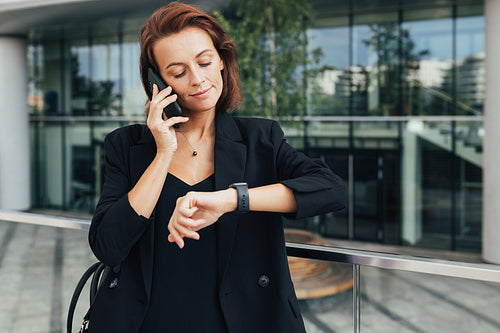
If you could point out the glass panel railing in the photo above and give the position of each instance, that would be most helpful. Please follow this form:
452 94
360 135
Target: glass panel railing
399 301
340 290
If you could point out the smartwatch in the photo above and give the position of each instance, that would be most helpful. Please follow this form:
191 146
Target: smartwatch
243 199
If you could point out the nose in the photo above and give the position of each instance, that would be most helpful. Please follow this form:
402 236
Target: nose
197 77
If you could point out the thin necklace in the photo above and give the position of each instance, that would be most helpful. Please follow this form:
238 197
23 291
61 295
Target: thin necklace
195 149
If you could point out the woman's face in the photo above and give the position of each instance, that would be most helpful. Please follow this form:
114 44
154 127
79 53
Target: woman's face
190 64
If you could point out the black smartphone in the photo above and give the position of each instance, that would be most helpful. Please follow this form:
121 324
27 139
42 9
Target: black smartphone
171 110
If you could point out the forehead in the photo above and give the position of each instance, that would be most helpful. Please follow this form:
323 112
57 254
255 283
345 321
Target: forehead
182 46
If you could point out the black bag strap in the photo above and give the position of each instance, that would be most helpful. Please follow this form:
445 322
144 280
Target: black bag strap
96 270
96 279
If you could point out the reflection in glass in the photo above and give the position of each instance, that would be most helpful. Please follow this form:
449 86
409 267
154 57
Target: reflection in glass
105 84
329 89
80 67
45 68
375 74
470 68
428 85
35 71
134 97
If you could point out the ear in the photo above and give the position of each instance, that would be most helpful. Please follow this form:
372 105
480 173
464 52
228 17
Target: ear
221 64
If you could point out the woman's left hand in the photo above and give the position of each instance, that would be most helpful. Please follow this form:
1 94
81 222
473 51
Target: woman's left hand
197 210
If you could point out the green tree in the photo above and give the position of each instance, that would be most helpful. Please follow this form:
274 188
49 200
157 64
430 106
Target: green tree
98 94
396 59
272 44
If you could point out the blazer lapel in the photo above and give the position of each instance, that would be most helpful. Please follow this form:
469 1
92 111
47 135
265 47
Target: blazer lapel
230 161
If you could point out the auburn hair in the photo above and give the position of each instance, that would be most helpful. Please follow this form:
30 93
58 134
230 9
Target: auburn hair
171 19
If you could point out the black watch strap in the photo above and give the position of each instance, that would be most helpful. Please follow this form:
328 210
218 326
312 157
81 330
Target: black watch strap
243 200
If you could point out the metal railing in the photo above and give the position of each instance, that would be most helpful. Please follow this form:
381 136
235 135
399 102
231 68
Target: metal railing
142 119
44 220
358 258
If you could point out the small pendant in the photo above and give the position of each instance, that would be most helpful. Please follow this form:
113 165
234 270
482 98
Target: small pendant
195 153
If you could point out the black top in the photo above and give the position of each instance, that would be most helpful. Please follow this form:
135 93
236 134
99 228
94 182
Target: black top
184 296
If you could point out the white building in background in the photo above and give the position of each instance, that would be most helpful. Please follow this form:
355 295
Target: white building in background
431 72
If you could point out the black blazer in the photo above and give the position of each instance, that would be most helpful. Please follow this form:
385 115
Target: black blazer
255 289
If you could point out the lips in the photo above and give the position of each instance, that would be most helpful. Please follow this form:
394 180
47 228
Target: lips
201 93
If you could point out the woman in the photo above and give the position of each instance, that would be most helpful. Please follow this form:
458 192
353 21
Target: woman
185 256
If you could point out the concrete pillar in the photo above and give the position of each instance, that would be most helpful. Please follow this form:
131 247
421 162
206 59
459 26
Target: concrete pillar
15 186
411 185
491 156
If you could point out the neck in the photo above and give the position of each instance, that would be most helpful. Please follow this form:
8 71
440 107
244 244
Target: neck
199 124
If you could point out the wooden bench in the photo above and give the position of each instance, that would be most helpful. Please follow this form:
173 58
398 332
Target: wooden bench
316 278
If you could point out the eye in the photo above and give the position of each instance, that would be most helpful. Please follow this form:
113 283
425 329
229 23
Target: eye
180 75
205 64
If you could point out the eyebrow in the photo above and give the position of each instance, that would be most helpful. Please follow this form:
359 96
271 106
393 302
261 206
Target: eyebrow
180 63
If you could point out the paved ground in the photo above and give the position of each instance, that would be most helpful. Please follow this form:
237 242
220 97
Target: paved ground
39 267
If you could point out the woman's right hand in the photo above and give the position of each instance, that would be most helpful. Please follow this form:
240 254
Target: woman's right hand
160 126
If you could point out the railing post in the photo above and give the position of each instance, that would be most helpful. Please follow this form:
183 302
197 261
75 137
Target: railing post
356 298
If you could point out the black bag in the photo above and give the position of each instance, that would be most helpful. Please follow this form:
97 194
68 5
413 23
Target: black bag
96 271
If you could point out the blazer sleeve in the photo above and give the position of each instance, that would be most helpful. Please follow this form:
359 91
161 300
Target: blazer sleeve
316 188
115 227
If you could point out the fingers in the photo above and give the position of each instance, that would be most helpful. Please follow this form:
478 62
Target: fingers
155 110
178 231
159 101
175 120
182 231
193 212
181 225
175 237
163 129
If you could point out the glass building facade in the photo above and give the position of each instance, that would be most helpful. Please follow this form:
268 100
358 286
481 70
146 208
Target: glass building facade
395 109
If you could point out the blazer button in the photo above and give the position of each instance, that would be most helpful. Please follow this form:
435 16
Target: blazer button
263 281
113 283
